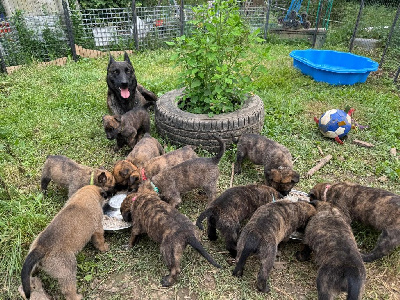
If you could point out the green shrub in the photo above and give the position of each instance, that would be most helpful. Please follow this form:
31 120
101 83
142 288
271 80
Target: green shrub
215 71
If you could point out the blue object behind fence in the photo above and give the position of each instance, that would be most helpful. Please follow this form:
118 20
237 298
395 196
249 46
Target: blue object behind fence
333 67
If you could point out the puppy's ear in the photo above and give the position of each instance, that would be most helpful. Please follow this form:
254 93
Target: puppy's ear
104 194
295 177
126 58
312 194
117 118
124 172
126 216
111 61
314 203
275 175
102 178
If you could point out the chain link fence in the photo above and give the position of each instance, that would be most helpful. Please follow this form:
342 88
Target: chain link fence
47 30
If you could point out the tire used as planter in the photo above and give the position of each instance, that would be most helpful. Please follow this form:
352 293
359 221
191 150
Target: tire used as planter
184 128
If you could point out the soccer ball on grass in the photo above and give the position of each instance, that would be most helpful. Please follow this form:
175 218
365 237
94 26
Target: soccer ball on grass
335 124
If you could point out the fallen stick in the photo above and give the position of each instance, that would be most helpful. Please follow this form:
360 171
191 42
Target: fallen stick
233 169
320 150
363 144
321 163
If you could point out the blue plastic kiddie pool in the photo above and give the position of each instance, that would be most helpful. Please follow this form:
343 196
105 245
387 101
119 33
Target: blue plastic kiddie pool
333 67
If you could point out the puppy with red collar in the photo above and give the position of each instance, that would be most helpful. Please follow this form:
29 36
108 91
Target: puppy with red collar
371 206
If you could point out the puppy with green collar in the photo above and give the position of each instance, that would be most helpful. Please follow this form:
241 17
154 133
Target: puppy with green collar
68 173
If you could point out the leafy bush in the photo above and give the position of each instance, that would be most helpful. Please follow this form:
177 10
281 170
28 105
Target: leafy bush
215 71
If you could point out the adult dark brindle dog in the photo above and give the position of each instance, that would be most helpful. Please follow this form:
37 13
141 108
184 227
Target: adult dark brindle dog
124 92
370 206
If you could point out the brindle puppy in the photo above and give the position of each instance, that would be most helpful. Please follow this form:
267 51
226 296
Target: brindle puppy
127 128
146 149
231 208
67 173
200 172
54 249
269 225
167 226
341 268
276 159
124 93
127 175
370 206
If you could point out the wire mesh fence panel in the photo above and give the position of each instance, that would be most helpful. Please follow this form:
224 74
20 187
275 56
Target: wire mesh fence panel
32 31
37 30
372 31
158 24
103 29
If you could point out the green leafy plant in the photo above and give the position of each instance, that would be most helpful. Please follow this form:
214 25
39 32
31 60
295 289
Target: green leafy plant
216 70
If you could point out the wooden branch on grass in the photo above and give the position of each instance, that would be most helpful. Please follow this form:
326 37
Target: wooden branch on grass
321 163
363 144
233 169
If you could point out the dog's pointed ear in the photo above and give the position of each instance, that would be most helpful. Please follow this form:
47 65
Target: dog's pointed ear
117 118
312 195
124 172
102 178
275 175
126 58
295 177
111 61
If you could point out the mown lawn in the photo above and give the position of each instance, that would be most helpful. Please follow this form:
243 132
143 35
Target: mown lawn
58 110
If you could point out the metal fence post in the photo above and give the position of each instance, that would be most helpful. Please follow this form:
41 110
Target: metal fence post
316 25
70 32
390 36
397 75
3 67
356 26
182 17
267 19
135 29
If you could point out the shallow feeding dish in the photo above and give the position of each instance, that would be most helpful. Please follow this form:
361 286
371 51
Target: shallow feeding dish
112 218
333 67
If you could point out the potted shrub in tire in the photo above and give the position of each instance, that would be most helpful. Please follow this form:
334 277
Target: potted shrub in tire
216 77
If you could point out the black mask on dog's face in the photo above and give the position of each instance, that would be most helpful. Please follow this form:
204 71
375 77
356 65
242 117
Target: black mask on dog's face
121 77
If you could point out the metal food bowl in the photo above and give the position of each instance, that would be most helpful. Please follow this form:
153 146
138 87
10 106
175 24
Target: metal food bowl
112 218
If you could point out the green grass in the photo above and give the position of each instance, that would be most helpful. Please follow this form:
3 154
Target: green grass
58 110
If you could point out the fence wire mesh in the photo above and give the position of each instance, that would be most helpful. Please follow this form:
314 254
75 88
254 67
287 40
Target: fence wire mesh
47 30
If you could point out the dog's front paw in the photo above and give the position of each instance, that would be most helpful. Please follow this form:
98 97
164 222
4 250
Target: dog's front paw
105 247
167 281
237 273
262 286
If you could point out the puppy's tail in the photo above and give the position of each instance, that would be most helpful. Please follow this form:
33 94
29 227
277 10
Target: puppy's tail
31 260
218 157
250 247
205 214
355 283
194 242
